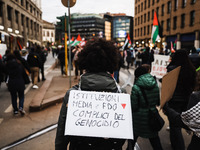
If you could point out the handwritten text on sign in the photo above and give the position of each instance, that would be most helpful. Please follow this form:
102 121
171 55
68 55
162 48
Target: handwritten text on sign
158 67
99 114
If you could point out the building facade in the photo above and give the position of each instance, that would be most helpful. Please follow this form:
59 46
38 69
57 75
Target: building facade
48 34
121 25
20 23
178 19
87 25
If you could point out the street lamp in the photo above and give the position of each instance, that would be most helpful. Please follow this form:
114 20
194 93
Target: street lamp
68 3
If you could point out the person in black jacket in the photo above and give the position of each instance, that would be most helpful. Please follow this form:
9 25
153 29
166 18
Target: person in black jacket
146 56
185 86
42 54
61 57
195 58
16 83
187 119
34 63
98 58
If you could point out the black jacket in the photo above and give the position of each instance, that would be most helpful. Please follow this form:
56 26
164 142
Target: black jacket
15 72
34 60
88 82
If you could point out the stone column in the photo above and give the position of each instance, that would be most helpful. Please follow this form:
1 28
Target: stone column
196 42
178 43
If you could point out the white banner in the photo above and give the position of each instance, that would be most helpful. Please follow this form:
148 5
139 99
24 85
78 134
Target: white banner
158 67
99 114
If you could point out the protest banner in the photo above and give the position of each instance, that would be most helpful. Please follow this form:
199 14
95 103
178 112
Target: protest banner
169 82
158 67
99 114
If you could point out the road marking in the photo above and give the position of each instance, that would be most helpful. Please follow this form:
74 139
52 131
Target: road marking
9 109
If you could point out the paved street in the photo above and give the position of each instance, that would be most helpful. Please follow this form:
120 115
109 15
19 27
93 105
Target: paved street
20 128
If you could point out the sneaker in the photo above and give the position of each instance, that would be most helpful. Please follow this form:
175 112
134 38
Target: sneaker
35 87
22 112
15 112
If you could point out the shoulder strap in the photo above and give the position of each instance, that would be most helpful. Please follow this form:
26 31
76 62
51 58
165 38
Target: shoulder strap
145 96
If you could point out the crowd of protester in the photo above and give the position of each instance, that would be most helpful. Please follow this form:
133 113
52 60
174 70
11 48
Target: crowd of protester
99 61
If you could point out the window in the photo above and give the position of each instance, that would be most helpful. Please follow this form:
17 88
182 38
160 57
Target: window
182 20
141 32
22 19
145 4
174 22
138 20
193 1
168 24
141 19
148 30
144 18
152 15
16 16
1 9
9 13
145 30
149 1
31 8
22 2
138 8
47 33
31 25
27 22
157 10
135 33
135 10
148 15
138 32
169 6
27 5
135 22
175 5
163 10
52 34
153 1
184 3
162 25
141 6
192 18
43 33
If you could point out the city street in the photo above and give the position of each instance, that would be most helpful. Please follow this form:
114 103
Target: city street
26 130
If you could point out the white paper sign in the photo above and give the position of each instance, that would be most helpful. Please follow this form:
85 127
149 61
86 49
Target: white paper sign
99 114
158 67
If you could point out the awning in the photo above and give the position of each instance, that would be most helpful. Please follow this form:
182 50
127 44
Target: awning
18 35
13 34
5 33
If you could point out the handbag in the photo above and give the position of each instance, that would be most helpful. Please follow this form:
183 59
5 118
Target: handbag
156 122
25 77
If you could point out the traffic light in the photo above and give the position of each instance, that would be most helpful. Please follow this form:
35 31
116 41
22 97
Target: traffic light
61 24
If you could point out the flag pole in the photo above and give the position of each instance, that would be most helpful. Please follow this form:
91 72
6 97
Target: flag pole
70 62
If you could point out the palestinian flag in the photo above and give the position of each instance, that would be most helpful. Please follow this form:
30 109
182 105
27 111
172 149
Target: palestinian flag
127 42
172 48
155 29
71 41
77 41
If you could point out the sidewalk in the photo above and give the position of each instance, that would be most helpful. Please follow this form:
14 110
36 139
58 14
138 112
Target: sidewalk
50 93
